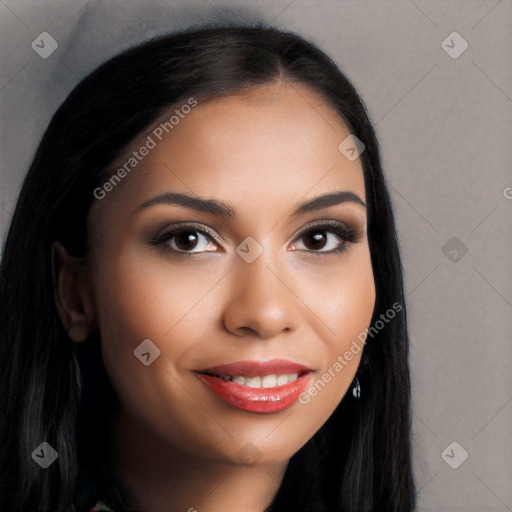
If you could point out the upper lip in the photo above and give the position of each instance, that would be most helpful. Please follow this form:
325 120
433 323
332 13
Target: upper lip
255 368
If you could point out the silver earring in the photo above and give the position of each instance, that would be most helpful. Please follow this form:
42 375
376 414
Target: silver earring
356 390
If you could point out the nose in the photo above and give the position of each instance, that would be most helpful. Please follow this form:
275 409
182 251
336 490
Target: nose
261 302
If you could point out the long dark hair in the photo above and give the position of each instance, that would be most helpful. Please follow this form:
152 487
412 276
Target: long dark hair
53 390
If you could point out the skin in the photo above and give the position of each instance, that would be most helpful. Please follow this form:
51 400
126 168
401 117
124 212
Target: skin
175 444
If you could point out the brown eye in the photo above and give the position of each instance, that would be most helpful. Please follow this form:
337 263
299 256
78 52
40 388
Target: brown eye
184 240
315 240
327 238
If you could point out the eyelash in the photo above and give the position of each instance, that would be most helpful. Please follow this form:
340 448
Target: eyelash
345 233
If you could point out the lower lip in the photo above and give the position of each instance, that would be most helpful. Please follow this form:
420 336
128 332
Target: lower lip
256 399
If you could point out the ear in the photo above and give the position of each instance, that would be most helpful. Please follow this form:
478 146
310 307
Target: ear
73 293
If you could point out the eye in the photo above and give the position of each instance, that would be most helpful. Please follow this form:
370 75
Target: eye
184 239
323 238
318 241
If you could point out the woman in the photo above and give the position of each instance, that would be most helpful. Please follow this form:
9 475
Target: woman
201 289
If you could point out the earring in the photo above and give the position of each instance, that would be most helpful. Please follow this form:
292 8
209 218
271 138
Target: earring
356 390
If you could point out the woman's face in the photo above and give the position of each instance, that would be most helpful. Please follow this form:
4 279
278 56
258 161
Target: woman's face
260 284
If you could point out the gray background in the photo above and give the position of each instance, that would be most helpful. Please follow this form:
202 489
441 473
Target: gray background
445 129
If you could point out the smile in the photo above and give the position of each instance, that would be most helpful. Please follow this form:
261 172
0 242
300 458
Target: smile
265 381
257 386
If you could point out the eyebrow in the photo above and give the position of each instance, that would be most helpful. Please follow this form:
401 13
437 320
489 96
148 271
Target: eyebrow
224 209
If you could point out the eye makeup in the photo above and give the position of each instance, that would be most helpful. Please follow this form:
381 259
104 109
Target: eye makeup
346 234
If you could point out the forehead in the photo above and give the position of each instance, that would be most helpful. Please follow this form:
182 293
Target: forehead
266 147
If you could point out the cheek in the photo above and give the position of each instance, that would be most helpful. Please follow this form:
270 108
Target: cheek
150 297
153 298
353 304
344 306
136 302
343 298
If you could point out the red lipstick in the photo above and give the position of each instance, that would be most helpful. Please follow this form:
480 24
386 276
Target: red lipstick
257 386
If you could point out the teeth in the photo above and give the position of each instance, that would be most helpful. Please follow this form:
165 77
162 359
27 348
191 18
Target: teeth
237 379
282 379
253 382
266 381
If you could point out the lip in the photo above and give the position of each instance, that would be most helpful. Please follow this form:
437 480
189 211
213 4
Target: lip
261 400
255 368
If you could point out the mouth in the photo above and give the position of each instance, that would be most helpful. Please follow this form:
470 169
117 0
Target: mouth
257 386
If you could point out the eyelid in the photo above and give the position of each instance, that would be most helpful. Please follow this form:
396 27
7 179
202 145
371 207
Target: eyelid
335 223
200 228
